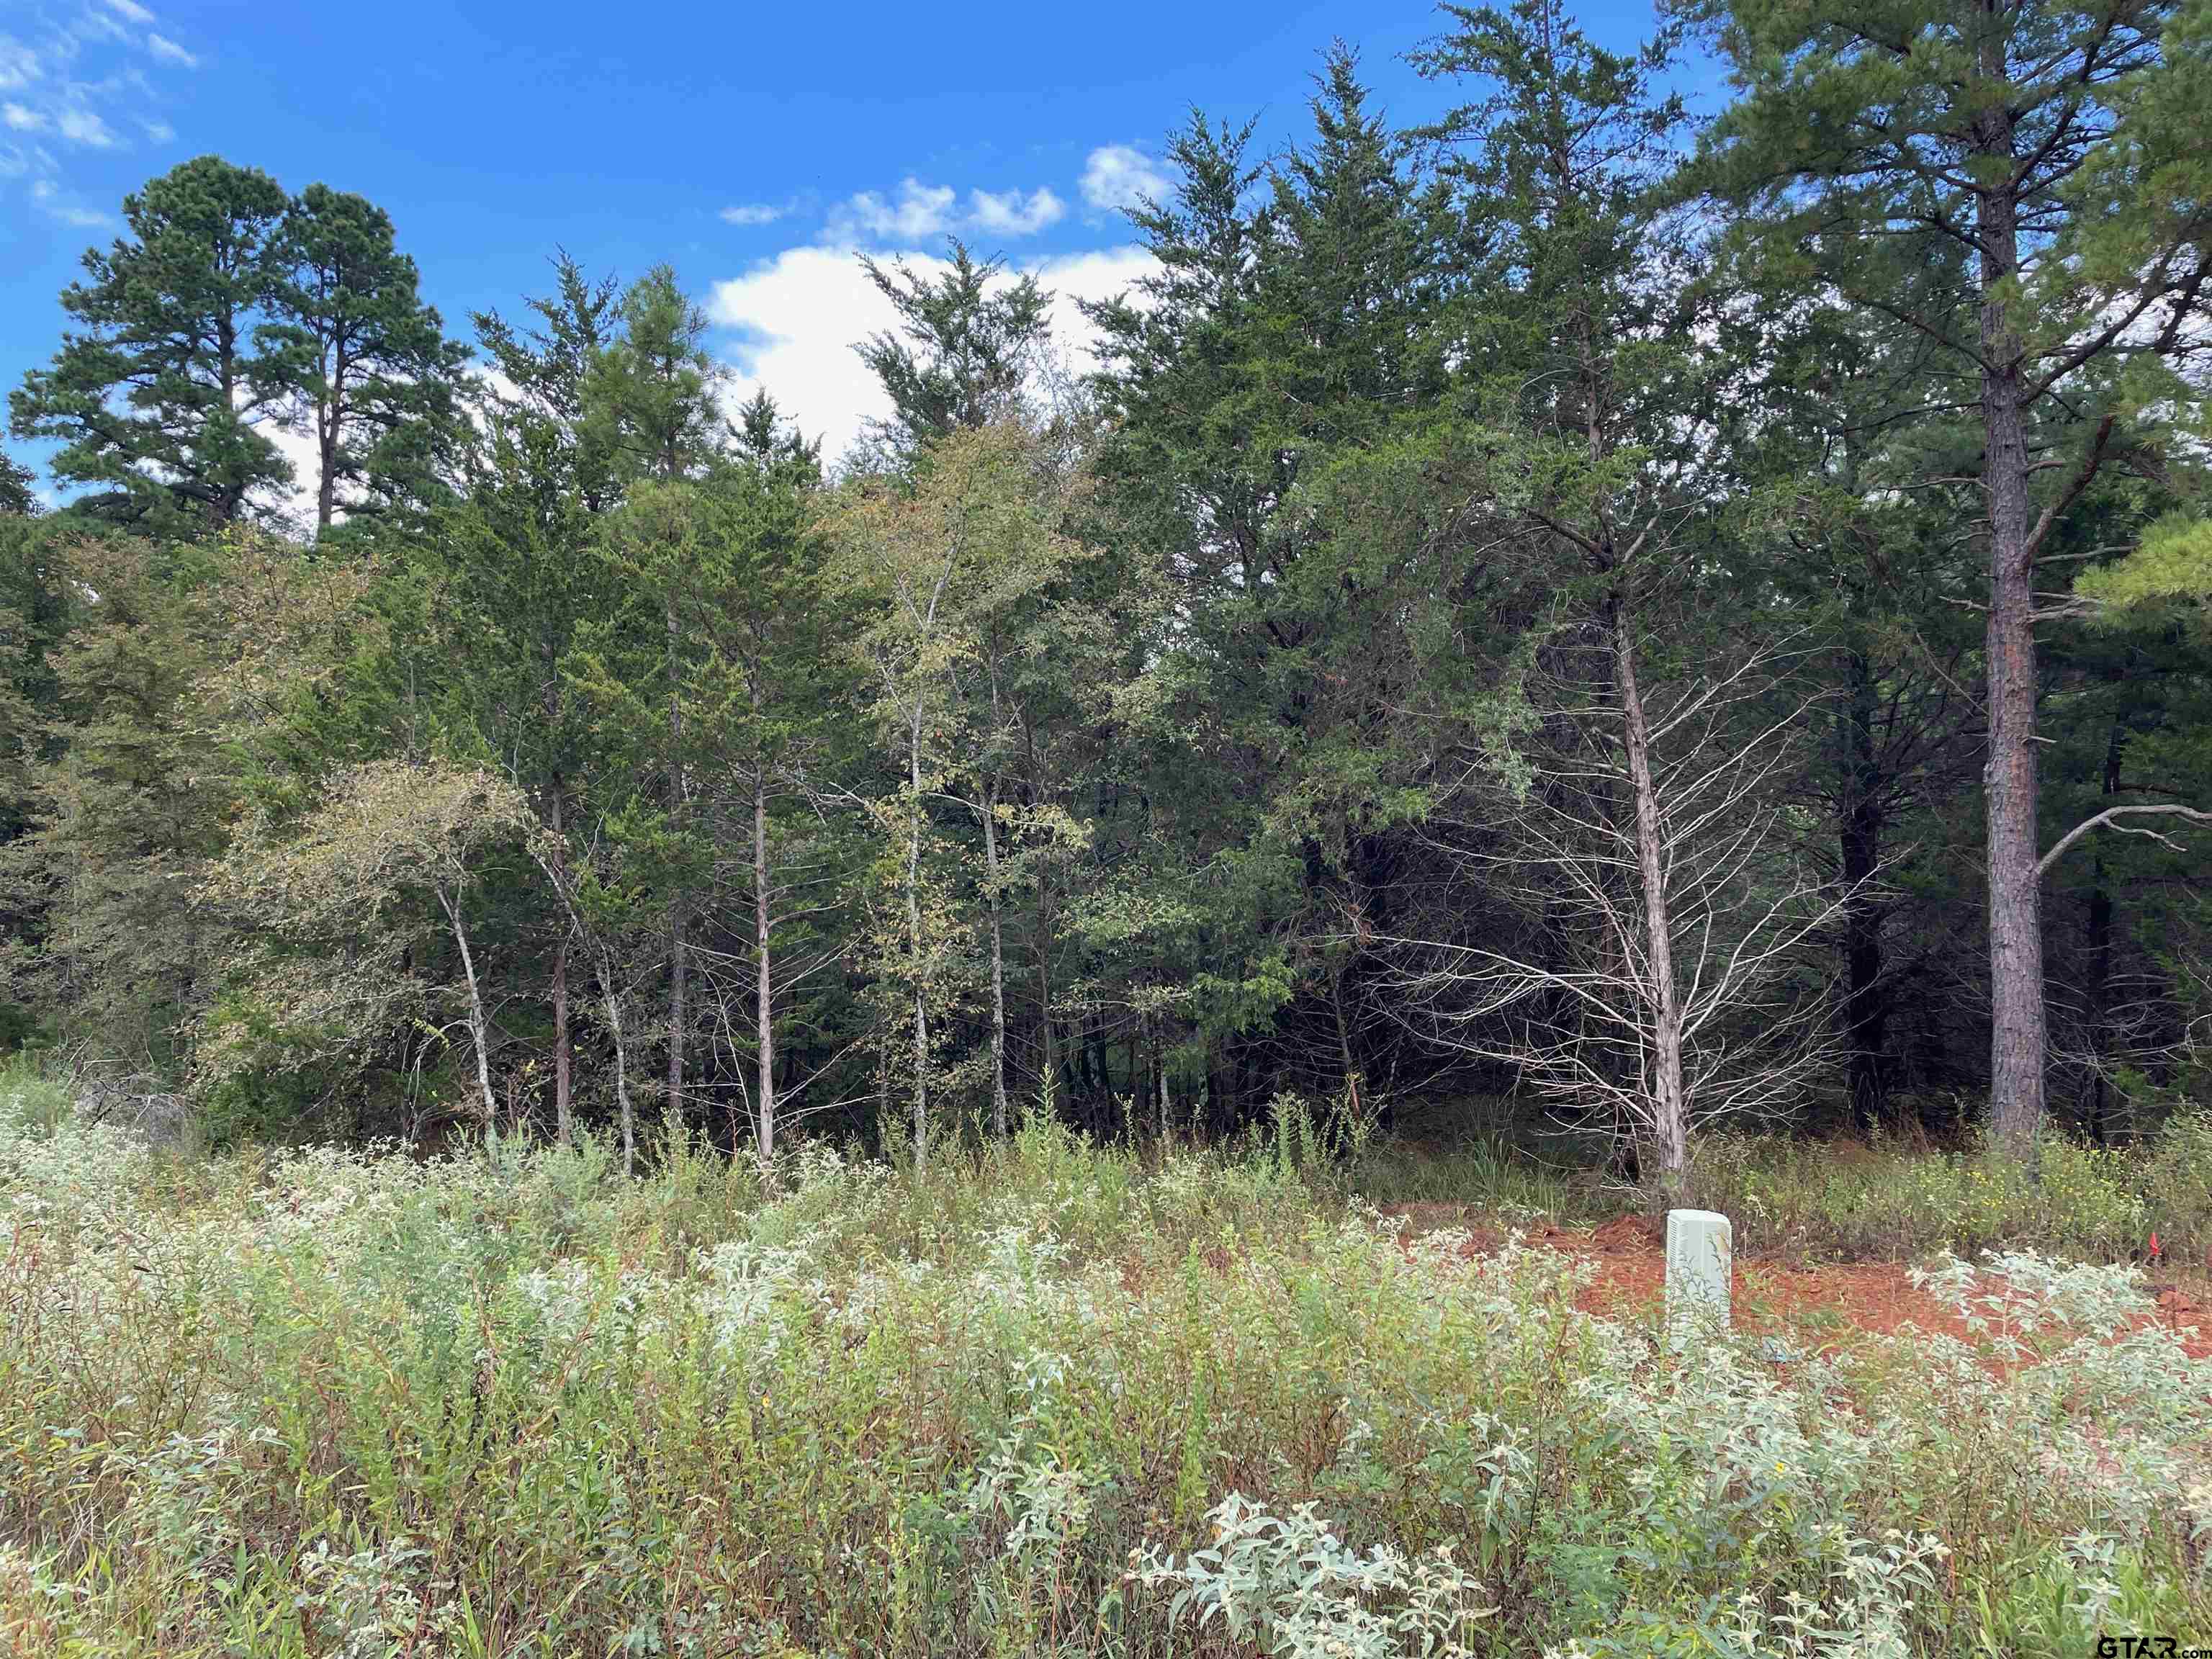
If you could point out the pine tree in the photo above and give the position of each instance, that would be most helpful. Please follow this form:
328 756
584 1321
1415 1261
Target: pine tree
373 370
2060 143
16 489
158 403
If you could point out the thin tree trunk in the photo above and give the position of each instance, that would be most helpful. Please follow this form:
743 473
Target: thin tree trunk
679 963
1344 1040
622 1069
563 1049
764 1008
998 960
1859 827
1670 1116
1047 1066
1049 1061
2097 993
679 956
563 1112
1160 1082
478 1026
2018 1035
326 485
914 946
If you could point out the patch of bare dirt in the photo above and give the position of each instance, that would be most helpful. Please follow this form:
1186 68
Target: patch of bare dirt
1818 1307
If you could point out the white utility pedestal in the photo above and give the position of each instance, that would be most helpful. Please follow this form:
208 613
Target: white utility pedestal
1700 1262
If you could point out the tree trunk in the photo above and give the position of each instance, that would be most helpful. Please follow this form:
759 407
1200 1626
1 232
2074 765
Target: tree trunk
622 1069
1670 1123
479 1028
764 1008
563 1048
678 957
564 1110
326 485
998 960
2018 1037
1859 834
679 961
1048 1060
1047 1065
1160 1082
1351 1072
914 946
2096 995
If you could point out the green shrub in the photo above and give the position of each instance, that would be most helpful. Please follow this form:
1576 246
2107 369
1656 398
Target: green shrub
2177 1186
1841 1199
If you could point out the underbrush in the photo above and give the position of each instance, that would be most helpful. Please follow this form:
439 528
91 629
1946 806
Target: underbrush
1052 1400
1893 1203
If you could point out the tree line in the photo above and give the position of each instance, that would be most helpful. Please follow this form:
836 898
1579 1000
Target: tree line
1660 621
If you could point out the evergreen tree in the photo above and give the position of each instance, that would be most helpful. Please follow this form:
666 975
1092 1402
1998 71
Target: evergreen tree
2060 144
372 369
16 488
967 345
544 368
650 395
652 417
158 403
518 554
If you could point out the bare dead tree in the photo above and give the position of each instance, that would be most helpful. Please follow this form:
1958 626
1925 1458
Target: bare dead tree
1665 982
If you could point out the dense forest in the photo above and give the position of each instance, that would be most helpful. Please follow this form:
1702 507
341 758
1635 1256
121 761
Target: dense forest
1651 620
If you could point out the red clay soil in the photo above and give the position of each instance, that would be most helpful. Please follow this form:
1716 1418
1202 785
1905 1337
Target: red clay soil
1818 1305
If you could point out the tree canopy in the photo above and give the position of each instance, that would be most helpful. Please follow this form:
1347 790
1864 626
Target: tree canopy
1656 624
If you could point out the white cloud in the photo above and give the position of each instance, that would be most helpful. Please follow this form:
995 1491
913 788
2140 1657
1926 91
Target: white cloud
1118 177
86 86
1009 213
83 126
19 64
753 213
921 213
802 312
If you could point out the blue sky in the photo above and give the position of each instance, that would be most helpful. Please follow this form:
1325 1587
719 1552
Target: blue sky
754 147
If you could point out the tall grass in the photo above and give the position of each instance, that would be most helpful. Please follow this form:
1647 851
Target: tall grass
1054 1400
1841 1199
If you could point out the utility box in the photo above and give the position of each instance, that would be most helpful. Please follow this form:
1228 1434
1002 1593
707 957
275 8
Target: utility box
1700 1266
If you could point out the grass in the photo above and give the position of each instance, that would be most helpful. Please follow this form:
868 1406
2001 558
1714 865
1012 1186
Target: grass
1058 1399
1847 1201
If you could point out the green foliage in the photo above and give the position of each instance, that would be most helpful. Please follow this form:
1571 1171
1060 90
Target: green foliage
1163 743
1053 1399
373 370
2173 561
16 484
2102 1204
965 353
168 316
